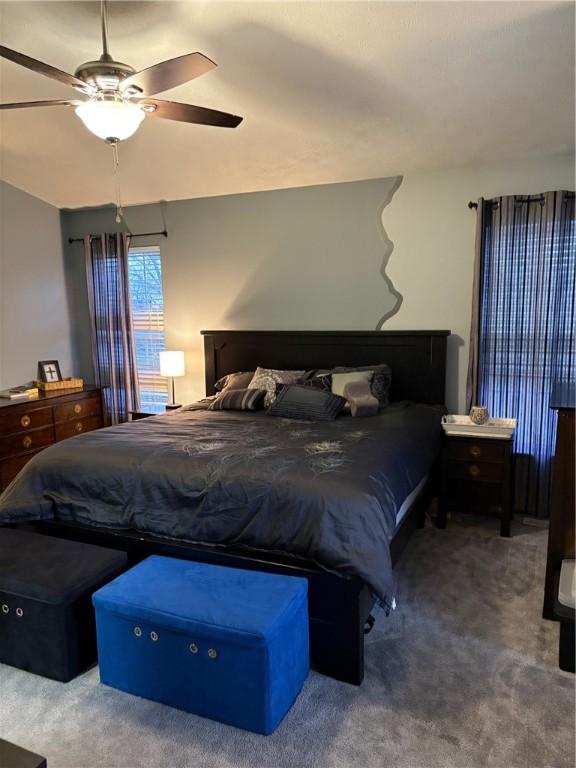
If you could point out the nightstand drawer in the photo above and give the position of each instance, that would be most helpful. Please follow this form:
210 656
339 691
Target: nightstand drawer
478 471
476 450
77 427
26 441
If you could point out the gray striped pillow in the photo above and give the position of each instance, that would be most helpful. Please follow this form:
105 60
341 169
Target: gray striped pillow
238 400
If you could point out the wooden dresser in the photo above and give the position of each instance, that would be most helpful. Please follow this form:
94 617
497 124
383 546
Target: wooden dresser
28 426
563 494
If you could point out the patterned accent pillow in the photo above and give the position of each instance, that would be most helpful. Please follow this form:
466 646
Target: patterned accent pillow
238 400
381 381
294 401
269 378
238 380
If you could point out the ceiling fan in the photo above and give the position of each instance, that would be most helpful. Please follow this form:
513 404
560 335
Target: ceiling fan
118 97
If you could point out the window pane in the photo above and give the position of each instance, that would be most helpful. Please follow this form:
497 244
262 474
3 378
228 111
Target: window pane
147 299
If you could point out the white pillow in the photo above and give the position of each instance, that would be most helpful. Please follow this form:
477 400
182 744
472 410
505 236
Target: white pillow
268 378
339 380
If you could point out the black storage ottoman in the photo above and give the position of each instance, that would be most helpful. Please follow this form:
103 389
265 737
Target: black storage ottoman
47 623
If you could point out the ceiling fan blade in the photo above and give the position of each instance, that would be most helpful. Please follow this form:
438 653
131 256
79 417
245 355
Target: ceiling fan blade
41 68
26 104
168 74
188 113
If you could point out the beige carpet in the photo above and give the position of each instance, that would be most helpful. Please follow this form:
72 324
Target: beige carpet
463 674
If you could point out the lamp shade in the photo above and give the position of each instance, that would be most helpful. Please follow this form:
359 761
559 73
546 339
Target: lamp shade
172 363
113 120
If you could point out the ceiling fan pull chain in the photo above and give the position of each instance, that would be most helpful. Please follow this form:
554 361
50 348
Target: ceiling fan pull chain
116 161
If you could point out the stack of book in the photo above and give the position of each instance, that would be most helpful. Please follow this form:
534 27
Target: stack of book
24 392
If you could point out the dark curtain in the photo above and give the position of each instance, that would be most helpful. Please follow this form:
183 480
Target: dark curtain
113 352
525 338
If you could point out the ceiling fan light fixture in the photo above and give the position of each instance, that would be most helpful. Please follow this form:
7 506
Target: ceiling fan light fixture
111 120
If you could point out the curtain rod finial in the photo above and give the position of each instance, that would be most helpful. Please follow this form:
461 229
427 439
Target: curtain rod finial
472 204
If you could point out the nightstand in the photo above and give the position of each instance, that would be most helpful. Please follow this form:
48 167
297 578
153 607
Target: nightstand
137 415
477 473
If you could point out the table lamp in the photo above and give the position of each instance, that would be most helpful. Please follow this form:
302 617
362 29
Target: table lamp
172 365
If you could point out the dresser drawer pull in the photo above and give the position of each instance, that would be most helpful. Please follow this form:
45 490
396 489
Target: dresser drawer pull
19 612
78 426
77 408
475 451
212 653
25 421
27 442
474 470
5 608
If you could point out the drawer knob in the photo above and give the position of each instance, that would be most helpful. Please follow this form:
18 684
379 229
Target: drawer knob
25 421
19 612
5 608
193 648
78 426
475 451
137 631
27 442
77 408
474 470
153 636
212 653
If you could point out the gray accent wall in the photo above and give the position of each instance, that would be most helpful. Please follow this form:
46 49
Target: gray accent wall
306 258
35 321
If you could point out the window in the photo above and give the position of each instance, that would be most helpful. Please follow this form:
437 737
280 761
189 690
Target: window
526 339
147 303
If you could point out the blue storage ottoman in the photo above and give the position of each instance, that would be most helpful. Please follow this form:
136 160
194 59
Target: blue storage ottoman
46 615
224 643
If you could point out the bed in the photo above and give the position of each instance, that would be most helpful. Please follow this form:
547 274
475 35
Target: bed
334 502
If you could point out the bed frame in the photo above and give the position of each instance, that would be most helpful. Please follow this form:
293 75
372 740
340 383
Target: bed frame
339 606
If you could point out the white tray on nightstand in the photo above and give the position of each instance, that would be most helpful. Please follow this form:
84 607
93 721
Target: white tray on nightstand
502 429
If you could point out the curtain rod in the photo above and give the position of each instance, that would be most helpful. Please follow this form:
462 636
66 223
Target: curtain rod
164 233
523 199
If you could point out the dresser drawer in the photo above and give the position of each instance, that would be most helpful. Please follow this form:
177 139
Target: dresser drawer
9 468
77 409
479 471
77 427
476 451
24 419
26 441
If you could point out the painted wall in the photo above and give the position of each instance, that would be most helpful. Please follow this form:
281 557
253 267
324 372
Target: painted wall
310 258
34 315
306 258
433 232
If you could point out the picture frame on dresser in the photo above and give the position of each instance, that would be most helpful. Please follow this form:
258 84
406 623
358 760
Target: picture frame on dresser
49 371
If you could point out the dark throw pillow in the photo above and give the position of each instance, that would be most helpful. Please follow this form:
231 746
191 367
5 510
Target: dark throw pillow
294 401
238 400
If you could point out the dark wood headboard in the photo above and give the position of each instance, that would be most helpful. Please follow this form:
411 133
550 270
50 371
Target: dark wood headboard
417 358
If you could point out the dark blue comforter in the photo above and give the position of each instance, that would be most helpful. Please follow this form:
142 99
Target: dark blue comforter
325 491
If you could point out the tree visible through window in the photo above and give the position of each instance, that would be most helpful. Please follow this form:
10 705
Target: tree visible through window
147 300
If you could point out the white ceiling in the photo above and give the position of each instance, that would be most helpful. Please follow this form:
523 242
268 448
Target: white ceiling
330 91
